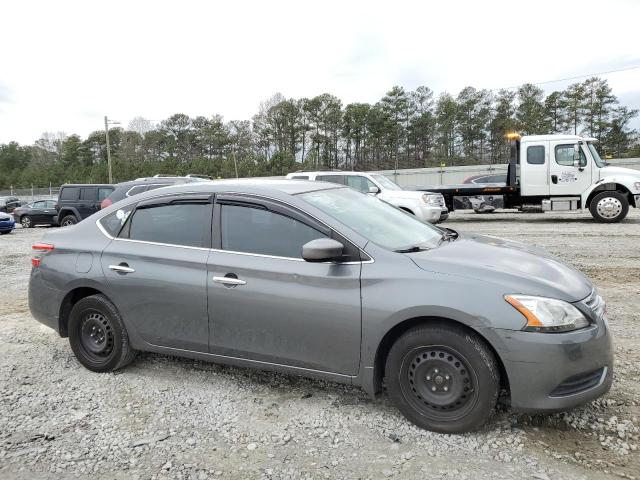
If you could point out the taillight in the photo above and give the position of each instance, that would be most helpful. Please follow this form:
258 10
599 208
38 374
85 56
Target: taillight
41 249
105 203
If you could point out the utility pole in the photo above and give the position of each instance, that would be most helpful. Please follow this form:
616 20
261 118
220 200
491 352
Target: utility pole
107 122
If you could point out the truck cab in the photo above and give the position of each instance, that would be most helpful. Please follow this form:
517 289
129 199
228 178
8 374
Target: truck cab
565 172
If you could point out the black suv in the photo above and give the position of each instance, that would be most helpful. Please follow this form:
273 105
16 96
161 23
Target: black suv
77 202
134 187
8 204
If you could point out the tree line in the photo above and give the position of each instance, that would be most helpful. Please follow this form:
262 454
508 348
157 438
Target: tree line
405 129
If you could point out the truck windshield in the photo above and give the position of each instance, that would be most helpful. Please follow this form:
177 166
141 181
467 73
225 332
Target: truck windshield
375 219
386 183
596 157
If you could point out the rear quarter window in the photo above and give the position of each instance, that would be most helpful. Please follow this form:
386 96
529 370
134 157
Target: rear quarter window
69 193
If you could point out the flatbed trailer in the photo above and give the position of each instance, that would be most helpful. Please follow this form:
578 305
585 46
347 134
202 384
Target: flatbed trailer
557 173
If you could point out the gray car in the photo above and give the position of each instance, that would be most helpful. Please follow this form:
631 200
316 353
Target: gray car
320 280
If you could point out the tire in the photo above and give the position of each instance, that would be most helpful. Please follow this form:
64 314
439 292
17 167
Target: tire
98 336
442 378
5 232
609 206
26 221
68 220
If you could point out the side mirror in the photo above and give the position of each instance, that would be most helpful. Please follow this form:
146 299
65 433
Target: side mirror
374 190
322 250
576 155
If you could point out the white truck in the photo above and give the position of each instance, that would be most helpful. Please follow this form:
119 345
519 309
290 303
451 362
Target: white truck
427 206
558 173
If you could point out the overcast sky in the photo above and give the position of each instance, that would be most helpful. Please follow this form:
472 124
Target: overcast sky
64 65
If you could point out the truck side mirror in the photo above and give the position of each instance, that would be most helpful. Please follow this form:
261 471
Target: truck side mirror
374 190
576 155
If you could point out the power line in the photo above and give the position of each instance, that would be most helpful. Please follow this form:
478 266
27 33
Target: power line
576 77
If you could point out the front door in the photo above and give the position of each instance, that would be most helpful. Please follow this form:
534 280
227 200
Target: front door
565 178
267 304
156 270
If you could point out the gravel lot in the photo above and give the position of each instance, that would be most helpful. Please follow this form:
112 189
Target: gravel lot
165 417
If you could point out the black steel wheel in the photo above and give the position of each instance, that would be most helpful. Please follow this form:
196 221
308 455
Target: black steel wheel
98 336
443 378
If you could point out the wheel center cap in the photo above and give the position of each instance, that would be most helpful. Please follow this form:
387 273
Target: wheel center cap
439 380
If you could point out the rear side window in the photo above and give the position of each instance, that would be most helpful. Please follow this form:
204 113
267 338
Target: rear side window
69 193
113 222
254 230
179 224
38 205
88 194
136 190
535 155
331 178
300 177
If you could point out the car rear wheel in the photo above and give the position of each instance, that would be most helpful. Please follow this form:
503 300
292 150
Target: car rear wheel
98 336
68 221
26 222
442 378
609 207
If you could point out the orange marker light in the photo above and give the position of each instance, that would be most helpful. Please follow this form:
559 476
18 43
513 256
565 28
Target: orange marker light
532 320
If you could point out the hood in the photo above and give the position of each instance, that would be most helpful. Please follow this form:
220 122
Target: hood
518 267
405 194
619 171
5 216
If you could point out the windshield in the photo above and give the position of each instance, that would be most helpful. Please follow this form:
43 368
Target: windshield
596 157
374 219
386 183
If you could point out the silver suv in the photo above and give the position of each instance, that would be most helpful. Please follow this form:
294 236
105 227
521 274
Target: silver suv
427 206
320 280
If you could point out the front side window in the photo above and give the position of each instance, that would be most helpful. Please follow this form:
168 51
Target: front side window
535 155
564 156
136 190
360 183
374 219
300 177
386 183
38 205
256 230
331 178
104 192
177 224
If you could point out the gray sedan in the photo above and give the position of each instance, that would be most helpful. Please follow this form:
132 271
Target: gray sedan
319 280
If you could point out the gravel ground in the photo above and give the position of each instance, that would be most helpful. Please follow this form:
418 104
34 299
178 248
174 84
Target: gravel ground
166 417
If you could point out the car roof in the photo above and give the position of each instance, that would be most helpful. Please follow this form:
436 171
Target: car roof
66 185
328 172
249 185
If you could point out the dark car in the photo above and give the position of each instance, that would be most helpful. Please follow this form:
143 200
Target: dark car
9 203
484 203
7 223
40 212
134 187
78 201
318 279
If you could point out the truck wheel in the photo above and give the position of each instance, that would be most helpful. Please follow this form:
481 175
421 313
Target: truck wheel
609 207
68 221
98 336
442 378
26 222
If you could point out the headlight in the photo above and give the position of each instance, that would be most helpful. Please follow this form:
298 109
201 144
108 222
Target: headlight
637 186
431 199
547 314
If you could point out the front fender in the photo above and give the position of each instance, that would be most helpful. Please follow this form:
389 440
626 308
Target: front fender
609 182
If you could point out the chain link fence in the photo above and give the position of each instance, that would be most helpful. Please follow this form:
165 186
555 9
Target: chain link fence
33 193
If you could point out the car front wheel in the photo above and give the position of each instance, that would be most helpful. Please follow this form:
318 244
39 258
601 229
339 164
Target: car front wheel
98 336
443 378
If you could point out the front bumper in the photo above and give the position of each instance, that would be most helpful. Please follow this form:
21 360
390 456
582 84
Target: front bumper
553 372
429 214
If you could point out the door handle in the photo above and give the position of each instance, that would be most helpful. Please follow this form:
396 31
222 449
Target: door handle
554 179
122 268
229 281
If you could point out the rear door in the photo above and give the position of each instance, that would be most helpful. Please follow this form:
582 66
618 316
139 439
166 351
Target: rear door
36 212
156 270
567 179
534 169
266 303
